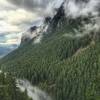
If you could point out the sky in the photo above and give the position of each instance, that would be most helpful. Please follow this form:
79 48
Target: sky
17 16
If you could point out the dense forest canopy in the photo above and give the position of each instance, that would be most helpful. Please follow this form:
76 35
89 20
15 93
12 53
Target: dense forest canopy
65 62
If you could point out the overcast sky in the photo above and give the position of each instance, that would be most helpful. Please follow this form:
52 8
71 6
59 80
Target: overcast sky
18 15
15 17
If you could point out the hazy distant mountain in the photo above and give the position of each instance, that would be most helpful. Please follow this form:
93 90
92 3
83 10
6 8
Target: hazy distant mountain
4 50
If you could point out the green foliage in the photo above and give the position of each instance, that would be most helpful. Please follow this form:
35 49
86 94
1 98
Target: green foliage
67 68
9 90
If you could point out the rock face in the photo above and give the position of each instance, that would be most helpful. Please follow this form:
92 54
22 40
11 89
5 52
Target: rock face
35 32
48 25
55 20
66 62
29 34
58 22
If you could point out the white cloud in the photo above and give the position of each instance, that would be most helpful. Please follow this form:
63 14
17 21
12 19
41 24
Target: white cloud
9 42
4 2
11 39
8 27
76 9
20 15
50 10
13 18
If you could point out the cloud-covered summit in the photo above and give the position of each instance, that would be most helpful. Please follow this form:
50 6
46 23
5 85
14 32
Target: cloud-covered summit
14 19
17 16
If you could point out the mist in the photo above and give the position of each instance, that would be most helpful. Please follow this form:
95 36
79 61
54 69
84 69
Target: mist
33 92
73 8
76 9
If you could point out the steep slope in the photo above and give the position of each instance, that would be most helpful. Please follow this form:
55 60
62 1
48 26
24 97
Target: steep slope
66 63
9 89
64 67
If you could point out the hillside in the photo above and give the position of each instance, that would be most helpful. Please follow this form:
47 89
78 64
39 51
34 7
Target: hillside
9 89
66 63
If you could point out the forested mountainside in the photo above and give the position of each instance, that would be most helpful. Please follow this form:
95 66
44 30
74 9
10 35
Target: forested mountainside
66 63
9 89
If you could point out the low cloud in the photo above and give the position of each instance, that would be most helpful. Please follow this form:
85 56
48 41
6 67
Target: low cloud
17 15
12 17
13 20
10 39
76 9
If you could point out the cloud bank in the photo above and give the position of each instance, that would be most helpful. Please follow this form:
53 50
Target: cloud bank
74 8
17 15
9 42
14 19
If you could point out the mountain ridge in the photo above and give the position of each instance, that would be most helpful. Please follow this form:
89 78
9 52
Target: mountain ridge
65 63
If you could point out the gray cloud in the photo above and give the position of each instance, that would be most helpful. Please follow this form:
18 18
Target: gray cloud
31 4
18 15
8 42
